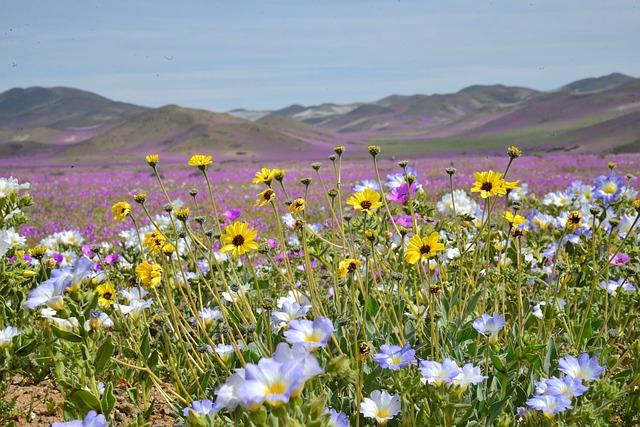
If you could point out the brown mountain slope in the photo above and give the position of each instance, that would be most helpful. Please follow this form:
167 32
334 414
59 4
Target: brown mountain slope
182 132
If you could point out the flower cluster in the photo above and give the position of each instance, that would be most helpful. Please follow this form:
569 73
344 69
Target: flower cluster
553 395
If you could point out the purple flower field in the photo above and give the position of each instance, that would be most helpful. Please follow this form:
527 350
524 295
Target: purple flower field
80 198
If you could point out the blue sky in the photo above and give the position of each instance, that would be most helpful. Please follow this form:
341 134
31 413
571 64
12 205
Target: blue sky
268 54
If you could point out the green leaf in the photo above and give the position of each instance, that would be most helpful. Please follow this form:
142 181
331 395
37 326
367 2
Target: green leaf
26 349
372 306
134 394
497 363
104 354
65 335
84 401
145 348
108 400
496 409
471 304
549 357
152 362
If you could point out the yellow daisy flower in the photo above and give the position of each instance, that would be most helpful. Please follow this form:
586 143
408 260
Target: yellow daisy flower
265 175
489 184
297 206
107 294
120 210
365 201
154 241
149 274
423 247
239 238
152 159
265 197
348 265
514 220
200 160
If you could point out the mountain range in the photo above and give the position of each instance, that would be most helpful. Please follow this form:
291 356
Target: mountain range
41 126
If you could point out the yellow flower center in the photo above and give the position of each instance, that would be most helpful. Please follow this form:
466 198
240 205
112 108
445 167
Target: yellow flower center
610 188
382 413
277 388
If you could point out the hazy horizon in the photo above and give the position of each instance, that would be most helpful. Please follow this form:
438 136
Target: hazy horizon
221 56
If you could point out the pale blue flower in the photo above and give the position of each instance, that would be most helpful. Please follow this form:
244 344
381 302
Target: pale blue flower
439 373
93 419
310 334
583 367
201 407
549 405
490 325
394 357
381 406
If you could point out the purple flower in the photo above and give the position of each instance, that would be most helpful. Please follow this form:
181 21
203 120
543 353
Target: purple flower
400 194
394 357
201 407
86 250
490 325
583 367
619 259
439 373
549 405
91 420
310 334
111 258
232 214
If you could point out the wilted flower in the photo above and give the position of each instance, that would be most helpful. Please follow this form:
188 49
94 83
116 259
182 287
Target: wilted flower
347 265
120 210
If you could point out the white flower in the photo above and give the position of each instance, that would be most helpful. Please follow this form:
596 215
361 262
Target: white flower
235 296
381 406
135 307
10 186
7 335
464 204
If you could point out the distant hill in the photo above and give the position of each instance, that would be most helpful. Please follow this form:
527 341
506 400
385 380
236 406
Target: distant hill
62 125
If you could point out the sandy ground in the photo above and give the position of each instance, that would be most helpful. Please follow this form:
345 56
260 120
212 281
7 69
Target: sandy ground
41 405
